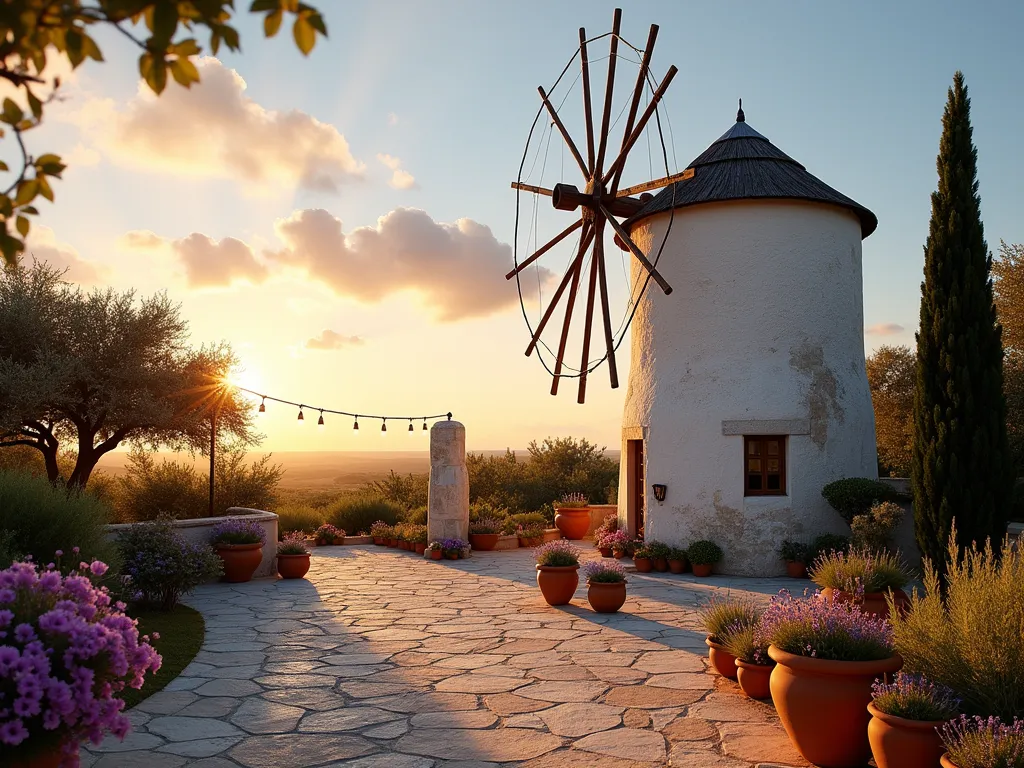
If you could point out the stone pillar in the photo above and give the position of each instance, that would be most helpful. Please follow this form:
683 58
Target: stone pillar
448 497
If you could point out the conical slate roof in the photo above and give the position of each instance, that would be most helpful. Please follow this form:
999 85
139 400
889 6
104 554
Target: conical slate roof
743 165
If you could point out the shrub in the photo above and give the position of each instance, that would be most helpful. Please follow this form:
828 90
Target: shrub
603 573
358 512
704 552
824 629
160 567
609 525
657 549
380 530
531 520
293 544
860 570
486 525
677 555
557 553
972 641
743 642
914 697
409 492
40 518
984 743
719 615
238 531
795 552
825 544
874 529
299 517
854 496
485 509
417 534
616 540
416 516
642 552
572 501
328 533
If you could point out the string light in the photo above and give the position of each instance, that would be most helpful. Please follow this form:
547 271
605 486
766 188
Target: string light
320 424
410 426
263 406
425 426
301 417
384 427
355 425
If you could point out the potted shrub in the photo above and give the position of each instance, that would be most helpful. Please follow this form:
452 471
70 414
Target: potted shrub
67 654
659 555
606 585
379 530
702 556
452 548
419 539
434 550
619 543
602 535
642 559
530 535
827 654
677 560
329 534
572 515
484 533
292 556
557 565
753 664
978 742
160 566
795 554
720 616
905 715
864 578
239 543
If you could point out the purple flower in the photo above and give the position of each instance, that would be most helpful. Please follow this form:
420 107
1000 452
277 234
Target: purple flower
602 572
98 568
13 732
238 531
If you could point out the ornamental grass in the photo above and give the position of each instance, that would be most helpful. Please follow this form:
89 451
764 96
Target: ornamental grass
978 742
914 697
743 641
721 615
973 639
860 570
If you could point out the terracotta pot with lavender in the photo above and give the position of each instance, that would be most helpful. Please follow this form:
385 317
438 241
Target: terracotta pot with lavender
606 586
558 563
864 578
723 617
292 556
239 543
906 714
572 516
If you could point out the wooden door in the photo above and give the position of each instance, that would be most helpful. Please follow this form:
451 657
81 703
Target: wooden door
636 512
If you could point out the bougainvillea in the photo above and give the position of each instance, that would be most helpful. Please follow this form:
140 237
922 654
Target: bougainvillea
67 651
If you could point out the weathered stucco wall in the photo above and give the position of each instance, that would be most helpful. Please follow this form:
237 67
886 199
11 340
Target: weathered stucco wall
762 334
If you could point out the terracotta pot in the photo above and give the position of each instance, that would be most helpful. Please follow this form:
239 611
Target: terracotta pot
536 541
606 598
945 762
754 679
677 566
796 570
436 554
605 551
392 542
643 564
823 705
661 564
452 555
723 661
702 569
292 566
378 541
900 743
240 560
872 602
572 522
421 547
484 542
338 540
618 554
49 757
558 583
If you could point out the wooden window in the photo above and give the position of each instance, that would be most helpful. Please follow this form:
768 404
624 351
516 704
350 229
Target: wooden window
764 468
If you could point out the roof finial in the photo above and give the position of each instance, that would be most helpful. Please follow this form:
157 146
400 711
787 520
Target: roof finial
740 117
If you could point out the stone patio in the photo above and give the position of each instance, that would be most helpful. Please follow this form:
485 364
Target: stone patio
382 659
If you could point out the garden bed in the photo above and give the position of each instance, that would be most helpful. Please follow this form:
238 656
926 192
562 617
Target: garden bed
181 631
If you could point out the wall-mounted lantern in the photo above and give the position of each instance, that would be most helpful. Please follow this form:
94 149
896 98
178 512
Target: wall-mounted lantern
659 492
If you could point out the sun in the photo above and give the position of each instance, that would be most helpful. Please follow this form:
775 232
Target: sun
246 378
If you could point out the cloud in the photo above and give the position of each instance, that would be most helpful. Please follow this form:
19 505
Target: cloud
458 268
884 329
42 245
209 263
329 339
400 179
141 240
215 130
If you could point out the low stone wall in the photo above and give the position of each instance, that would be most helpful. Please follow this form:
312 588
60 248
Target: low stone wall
199 530
598 512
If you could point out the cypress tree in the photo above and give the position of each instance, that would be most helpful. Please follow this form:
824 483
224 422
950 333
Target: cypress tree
961 469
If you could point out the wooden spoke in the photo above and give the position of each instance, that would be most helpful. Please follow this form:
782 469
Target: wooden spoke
588 322
608 93
569 304
546 247
530 188
602 278
588 116
638 91
625 238
641 124
565 133
588 236
656 184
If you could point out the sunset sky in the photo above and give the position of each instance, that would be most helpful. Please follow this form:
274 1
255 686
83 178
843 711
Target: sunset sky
345 220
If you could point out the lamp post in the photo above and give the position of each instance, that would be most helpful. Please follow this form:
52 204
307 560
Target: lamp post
213 451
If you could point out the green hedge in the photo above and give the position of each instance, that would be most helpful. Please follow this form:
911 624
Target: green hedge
357 513
854 496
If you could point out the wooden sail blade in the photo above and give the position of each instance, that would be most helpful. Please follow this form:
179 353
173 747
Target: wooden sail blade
625 238
641 124
545 248
588 236
530 188
589 321
587 113
638 91
602 278
569 304
656 184
565 134
609 92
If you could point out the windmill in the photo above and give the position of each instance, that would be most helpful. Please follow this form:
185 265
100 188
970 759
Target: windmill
598 203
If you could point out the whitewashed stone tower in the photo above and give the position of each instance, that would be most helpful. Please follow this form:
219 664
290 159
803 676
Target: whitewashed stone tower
747 390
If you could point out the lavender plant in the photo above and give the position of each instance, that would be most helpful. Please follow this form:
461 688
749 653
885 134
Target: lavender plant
572 501
742 640
824 628
600 572
328 533
720 615
977 742
914 697
557 553
860 569
486 525
293 544
238 531
159 566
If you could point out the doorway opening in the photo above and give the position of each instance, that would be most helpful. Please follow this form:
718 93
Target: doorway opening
636 493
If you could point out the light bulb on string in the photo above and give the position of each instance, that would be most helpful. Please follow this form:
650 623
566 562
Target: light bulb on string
320 423
411 430
301 417
425 430
355 425
263 406
384 428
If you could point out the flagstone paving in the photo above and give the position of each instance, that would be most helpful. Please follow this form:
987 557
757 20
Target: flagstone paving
381 659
